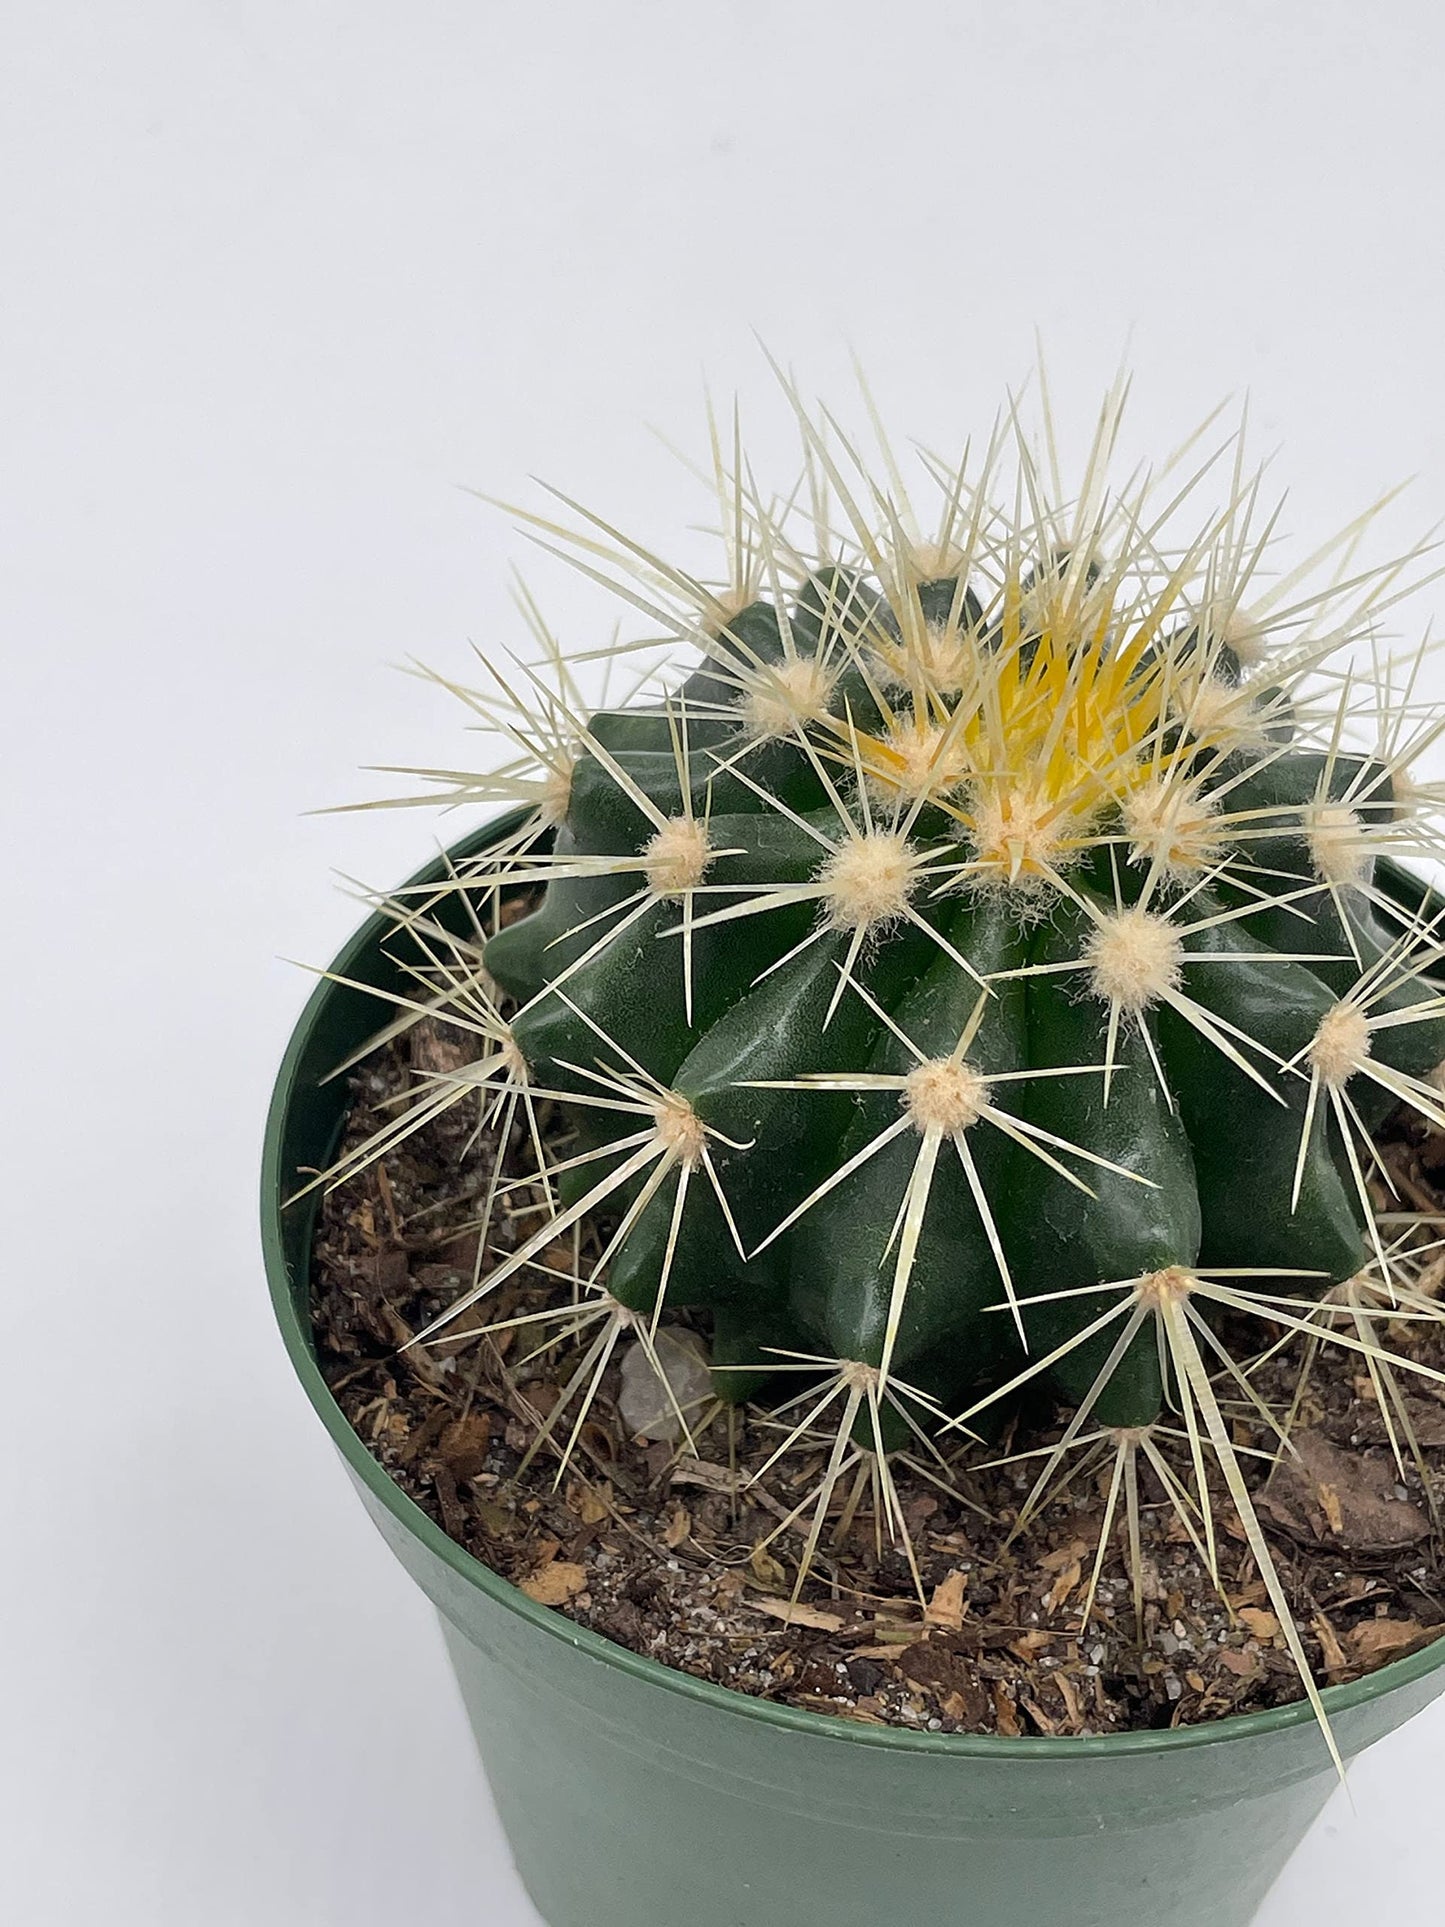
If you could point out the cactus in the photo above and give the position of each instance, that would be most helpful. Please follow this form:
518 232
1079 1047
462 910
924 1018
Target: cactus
970 960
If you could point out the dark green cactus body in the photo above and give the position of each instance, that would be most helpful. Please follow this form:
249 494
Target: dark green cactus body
1052 1187
1245 1131
1119 1229
838 1256
773 1034
1342 927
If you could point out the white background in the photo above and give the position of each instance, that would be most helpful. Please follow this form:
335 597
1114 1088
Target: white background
278 277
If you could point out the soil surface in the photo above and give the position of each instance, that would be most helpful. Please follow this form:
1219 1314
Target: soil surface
687 1559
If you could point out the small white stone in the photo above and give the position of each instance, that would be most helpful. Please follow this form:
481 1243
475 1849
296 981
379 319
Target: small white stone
646 1407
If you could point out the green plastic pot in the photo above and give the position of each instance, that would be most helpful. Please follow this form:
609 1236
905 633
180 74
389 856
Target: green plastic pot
635 1796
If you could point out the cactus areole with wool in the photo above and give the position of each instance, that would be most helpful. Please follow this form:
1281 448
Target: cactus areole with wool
963 965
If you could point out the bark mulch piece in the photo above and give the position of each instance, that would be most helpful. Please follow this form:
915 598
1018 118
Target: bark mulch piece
675 1557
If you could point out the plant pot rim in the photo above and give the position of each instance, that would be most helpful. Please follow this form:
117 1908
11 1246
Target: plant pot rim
288 1301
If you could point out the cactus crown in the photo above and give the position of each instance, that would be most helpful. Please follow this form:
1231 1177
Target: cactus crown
967 960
